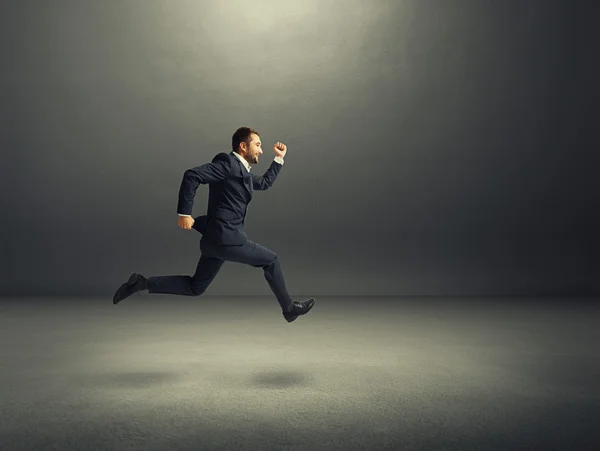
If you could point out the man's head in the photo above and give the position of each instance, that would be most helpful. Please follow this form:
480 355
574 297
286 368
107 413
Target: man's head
246 142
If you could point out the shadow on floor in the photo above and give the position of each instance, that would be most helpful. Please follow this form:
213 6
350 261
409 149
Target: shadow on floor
280 379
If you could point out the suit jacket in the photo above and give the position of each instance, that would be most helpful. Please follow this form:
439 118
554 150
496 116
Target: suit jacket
230 191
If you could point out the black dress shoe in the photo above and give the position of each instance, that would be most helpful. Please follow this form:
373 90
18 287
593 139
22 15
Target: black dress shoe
136 283
299 308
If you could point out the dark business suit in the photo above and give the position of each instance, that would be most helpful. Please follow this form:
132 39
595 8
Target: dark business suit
223 237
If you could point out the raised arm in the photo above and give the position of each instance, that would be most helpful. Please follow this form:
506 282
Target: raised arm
212 172
265 181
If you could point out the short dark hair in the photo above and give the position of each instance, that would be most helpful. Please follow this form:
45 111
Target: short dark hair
242 134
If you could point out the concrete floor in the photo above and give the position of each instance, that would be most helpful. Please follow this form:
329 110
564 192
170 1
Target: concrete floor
160 372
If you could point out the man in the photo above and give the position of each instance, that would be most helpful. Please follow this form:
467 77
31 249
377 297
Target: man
231 186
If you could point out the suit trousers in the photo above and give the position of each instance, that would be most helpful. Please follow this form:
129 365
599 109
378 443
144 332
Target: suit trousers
212 258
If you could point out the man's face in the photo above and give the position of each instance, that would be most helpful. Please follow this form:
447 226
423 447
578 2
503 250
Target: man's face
254 149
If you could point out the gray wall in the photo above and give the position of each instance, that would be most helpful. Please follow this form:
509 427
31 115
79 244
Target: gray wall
433 147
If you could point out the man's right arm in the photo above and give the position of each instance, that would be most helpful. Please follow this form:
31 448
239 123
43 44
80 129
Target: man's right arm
212 172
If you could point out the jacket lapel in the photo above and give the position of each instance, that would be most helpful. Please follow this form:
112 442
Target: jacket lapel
246 176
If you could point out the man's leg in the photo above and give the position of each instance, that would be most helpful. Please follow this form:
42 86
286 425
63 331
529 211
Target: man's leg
206 270
253 254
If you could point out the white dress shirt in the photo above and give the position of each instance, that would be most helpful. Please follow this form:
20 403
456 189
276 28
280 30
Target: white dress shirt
247 166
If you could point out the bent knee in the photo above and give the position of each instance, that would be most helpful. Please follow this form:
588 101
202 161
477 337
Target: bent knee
274 261
197 290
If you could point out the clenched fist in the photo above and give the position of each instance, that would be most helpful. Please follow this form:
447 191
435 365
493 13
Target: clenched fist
280 149
185 222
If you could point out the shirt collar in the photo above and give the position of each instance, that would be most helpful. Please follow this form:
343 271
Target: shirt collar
244 162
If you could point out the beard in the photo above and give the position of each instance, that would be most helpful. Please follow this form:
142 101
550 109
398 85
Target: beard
251 159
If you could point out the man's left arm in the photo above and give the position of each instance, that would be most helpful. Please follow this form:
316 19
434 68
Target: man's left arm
265 181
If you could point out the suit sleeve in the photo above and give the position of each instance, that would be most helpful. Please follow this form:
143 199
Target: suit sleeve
265 181
212 172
